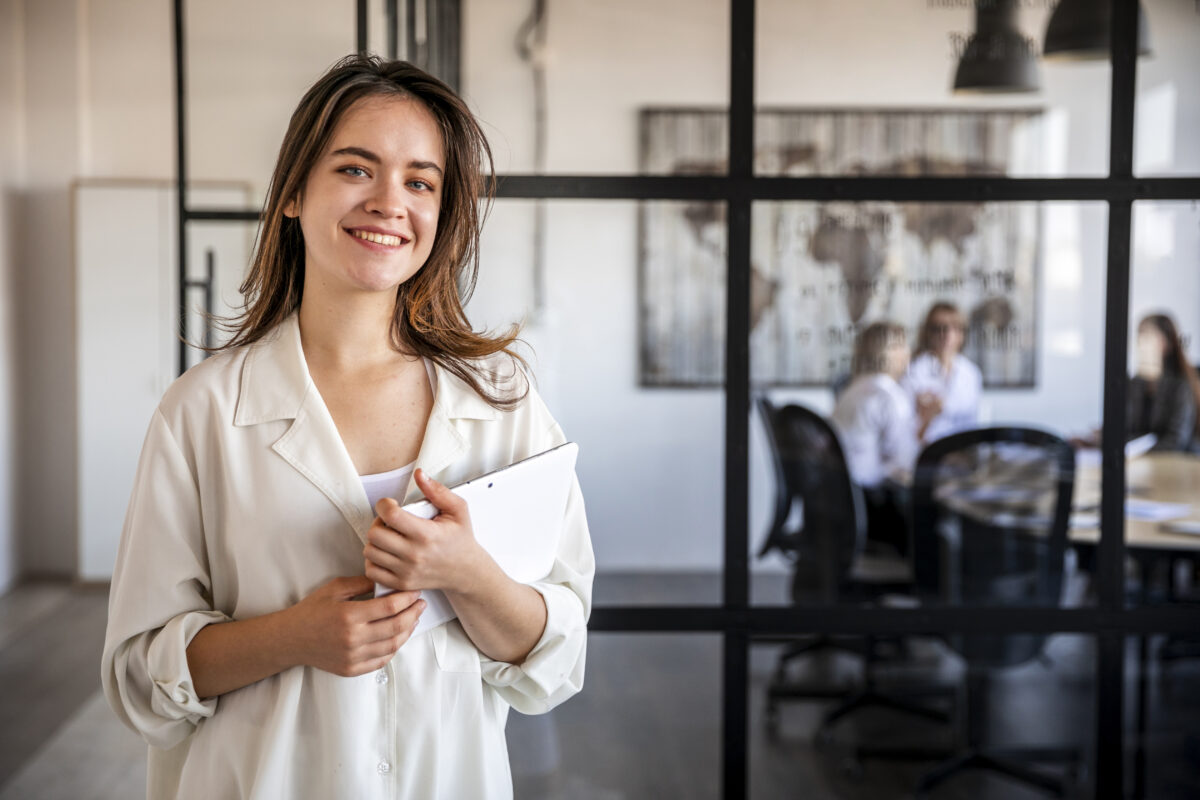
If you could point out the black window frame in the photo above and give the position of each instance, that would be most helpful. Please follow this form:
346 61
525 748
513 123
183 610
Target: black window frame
1110 622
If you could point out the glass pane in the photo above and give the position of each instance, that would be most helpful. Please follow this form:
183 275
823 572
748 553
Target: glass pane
623 308
653 732
248 64
597 87
866 87
1168 91
815 722
1162 530
879 329
1162 716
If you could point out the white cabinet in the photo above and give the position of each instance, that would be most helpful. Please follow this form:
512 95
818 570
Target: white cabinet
127 323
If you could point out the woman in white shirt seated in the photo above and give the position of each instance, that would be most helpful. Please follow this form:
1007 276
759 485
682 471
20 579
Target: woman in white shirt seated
880 429
878 424
941 380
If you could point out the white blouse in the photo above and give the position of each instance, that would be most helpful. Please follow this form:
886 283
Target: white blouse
877 426
244 502
959 389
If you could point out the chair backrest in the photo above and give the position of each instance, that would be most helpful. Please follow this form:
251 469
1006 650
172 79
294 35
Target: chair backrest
990 511
810 467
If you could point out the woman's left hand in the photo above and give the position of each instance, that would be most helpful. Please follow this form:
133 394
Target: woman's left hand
405 552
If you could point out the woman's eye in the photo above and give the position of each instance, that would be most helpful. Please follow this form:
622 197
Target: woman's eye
355 172
421 185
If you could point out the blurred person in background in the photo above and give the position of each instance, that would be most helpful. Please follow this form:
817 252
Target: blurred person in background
943 383
880 428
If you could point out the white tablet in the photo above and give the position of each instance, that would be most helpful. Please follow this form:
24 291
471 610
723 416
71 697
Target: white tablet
517 515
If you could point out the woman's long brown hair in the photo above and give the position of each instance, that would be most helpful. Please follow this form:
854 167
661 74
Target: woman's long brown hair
429 319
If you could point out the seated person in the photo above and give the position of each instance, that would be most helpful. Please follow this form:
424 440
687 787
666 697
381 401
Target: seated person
874 416
1164 392
879 427
941 379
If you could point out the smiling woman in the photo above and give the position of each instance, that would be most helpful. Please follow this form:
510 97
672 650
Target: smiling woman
267 497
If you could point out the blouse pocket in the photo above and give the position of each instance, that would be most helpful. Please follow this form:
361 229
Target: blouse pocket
453 649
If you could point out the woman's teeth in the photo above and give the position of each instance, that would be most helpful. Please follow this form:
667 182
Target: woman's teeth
378 238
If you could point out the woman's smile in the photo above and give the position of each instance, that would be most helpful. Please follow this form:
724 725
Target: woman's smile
378 240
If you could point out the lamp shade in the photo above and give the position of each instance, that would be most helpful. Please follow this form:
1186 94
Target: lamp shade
1081 30
998 57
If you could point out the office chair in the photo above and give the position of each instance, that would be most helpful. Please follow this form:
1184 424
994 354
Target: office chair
990 516
828 553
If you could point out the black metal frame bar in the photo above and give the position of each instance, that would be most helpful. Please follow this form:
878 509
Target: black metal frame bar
739 623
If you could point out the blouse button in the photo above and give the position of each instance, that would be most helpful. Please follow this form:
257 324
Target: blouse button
381 677
384 768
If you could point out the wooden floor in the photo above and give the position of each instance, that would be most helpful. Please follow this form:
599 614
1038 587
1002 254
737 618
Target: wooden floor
647 724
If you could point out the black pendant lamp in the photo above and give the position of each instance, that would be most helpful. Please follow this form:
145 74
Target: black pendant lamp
998 58
1081 30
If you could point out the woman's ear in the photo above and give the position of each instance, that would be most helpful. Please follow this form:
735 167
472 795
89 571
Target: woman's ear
291 208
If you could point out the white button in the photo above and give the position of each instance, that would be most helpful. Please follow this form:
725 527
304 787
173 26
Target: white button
381 676
384 768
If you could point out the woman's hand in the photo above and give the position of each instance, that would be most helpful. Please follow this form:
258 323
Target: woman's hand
929 405
331 631
503 618
405 552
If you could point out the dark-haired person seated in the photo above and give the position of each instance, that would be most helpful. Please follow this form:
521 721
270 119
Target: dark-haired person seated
1164 392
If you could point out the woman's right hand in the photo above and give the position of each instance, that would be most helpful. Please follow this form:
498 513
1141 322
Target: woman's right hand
332 631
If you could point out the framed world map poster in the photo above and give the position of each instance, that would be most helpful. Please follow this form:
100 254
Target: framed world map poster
823 271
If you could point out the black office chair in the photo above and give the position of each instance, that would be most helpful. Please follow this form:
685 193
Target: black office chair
828 552
990 516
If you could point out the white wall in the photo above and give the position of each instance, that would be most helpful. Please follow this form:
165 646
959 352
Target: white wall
12 123
46 503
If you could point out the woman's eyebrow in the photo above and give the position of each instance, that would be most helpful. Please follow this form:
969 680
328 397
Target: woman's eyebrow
360 152
367 155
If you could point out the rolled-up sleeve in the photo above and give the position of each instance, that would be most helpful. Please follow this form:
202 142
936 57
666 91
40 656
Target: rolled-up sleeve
160 598
553 670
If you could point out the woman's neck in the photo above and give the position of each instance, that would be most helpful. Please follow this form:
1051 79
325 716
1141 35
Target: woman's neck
351 334
945 360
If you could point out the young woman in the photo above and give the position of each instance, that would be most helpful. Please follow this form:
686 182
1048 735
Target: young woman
1165 391
941 380
266 501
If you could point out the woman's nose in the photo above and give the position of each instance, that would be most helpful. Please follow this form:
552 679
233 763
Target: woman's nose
387 199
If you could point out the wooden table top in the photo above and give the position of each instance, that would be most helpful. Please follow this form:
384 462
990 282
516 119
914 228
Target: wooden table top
1162 477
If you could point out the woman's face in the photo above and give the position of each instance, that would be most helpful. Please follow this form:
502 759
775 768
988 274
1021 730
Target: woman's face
896 356
1151 347
369 210
945 334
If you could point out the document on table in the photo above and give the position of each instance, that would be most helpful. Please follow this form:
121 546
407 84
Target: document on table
1135 508
516 514
1090 456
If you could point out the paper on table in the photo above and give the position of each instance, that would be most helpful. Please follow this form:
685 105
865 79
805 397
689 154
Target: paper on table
1090 456
1188 526
1153 510
516 514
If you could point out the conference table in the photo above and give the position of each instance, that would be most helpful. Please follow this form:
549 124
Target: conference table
1162 523
1160 478
1166 478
